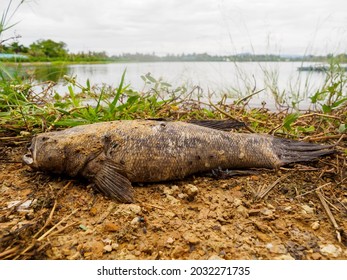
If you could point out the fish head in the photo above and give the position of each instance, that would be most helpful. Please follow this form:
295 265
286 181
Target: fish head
45 154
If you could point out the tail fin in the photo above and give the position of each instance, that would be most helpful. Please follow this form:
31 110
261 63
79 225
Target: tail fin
290 151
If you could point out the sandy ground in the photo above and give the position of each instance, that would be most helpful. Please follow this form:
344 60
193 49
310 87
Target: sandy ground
297 212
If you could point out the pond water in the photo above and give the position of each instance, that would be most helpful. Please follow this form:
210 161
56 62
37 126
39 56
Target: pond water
234 79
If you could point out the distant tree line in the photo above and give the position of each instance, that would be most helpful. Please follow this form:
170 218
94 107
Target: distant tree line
49 50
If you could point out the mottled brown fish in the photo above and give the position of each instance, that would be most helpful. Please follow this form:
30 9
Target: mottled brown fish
114 154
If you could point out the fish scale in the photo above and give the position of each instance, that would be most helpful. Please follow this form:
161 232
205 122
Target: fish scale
115 154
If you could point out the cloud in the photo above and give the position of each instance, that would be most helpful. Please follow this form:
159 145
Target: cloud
176 26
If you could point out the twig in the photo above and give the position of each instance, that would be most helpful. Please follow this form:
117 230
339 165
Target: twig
56 225
228 115
248 97
264 193
320 115
108 212
64 228
327 137
5 254
49 219
330 215
45 234
311 191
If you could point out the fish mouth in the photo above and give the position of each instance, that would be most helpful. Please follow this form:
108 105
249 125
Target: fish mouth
28 159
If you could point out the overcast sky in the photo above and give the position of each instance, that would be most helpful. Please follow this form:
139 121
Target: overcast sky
186 26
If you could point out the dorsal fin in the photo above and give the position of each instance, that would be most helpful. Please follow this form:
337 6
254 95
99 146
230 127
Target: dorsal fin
225 125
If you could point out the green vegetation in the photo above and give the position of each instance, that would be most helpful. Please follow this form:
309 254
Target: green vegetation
32 106
49 50
22 108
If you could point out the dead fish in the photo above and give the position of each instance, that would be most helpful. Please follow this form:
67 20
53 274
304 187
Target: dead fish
115 154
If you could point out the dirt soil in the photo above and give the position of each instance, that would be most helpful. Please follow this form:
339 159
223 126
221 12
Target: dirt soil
298 212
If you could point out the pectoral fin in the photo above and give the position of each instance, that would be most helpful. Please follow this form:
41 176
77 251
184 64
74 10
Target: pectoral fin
112 181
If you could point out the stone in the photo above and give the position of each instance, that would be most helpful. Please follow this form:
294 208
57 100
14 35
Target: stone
111 227
330 250
93 249
237 202
107 241
169 214
191 238
178 252
93 211
215 257
172 200
182 196
315 225
170 240
108 248
136 209
171 190
307 209
263 237
316 256
286 257
135 221
242 210
191 191
276 248
267 212
129 209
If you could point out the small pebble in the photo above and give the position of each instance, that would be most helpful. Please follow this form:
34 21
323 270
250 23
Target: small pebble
267 212
172 200
242 210
111 227
170 240
93 211
129 209
215 257
315 225
276 248
286 257
237 202
107 241
191 191
191 238
307 209
108 248
330 250
169 214
182 196
135 221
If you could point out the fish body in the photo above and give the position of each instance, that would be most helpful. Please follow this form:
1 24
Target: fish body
115 154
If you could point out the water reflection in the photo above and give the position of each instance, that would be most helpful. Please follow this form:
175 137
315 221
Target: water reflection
276 80
39 73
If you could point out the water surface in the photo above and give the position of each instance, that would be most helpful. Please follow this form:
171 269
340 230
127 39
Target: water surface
234 79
